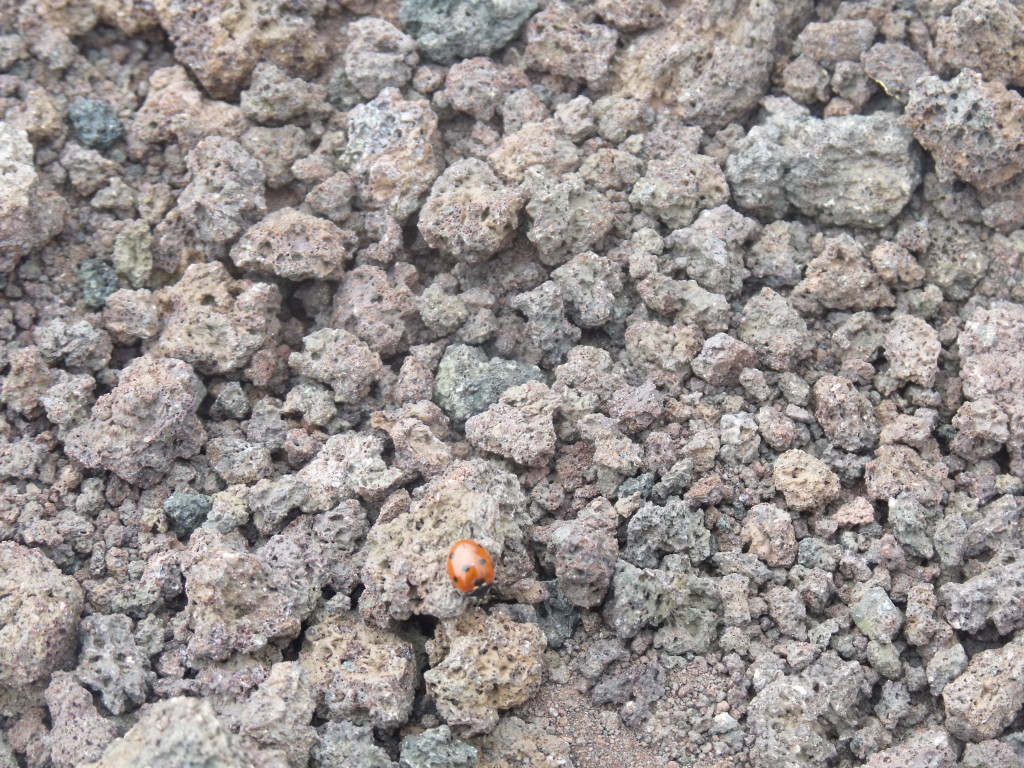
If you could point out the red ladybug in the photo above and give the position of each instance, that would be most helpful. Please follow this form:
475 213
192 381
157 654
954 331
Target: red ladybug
470 566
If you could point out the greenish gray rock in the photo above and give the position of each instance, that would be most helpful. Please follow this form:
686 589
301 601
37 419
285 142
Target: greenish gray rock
854 170
449 30
945 666
467 383
910 523
186 512
231 403
436 748
884 658
133 253
99 280
342 743
684 606
876 616
94 122
675 528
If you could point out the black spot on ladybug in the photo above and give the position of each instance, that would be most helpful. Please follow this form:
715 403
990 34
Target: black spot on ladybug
479 582
466 568
482 561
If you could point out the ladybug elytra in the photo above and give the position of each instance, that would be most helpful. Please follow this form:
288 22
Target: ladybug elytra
470 566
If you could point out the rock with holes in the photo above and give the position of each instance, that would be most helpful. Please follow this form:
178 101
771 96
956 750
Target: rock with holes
214 322
359 673
480 664
405 570
39 612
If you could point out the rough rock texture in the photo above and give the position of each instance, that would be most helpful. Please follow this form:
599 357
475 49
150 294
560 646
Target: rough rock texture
993 368
176 731
392 153
40 609
989 596
467 382
340 360
405 562
806 482
520 426
277 716
295 246
583 552
139 428
470 214
448 30
481 664
79 734
703 317
981 118
111 663
985 699
224 197
683 607
29 215
801 714
359 674
222 582
212 322
856 170
436 746
768 531
221 42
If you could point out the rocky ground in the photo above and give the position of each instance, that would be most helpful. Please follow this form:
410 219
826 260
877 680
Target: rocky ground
705 318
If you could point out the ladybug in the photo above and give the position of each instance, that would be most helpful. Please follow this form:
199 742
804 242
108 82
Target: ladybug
470 566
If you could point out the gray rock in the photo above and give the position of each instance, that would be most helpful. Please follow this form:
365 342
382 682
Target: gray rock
224 198
795 720
990 596
675 528
179 732
854 171
912 348
393 153
99 280
467 383
775 330
449 30
928 749
38 616
845 414
992 754
94 122
277 716
986 698
342 743
583 552
876 616
555 615
945 666
111 664
911 524
710 251
186 512
684 607
436 748
992 367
